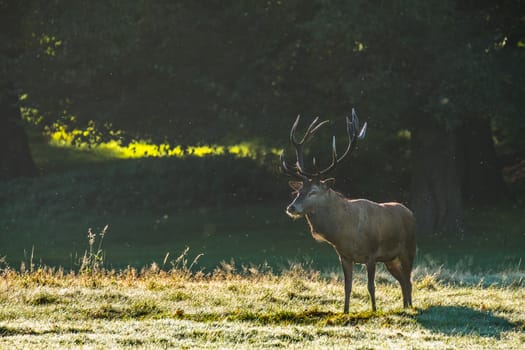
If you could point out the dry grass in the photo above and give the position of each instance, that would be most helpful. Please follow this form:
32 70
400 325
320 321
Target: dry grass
154 308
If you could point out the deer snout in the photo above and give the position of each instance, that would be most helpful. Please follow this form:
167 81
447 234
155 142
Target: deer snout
294 211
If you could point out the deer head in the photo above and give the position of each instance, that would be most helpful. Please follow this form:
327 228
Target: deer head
309 187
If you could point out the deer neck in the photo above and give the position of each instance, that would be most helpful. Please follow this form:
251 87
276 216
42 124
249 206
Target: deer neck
325 220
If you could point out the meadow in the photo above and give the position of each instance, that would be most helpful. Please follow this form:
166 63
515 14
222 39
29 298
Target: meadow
254 308
176 268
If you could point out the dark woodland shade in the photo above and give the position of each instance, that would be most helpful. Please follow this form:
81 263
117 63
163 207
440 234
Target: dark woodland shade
450 72
15 155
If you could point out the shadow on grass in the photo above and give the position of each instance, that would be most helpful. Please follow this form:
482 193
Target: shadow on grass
313 316
15 331
286 317
460 320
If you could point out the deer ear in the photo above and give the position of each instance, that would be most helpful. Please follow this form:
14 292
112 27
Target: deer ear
328 183
295 185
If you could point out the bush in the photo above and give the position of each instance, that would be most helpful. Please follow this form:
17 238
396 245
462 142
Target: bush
149 185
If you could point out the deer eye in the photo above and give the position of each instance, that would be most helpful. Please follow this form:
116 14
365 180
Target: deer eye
312 192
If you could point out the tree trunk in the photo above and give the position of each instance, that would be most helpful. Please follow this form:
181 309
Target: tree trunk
436 192
482 180
15 155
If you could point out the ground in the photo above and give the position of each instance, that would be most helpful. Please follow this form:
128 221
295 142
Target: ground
153 308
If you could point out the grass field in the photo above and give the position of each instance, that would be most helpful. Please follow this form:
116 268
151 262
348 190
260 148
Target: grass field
254 308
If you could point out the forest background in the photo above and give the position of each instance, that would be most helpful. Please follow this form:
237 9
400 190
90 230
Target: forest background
165 121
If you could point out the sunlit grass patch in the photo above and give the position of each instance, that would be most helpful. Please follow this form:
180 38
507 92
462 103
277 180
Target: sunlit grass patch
90 139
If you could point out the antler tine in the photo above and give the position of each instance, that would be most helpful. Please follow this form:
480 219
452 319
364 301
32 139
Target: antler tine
352 128
292 130
362 133
289 170
334 158
298 145
310 131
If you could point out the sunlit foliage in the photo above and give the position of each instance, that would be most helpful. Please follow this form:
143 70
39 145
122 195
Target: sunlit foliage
60 135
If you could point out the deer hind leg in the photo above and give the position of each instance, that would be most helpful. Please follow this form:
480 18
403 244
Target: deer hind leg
406 266
371 272
395 268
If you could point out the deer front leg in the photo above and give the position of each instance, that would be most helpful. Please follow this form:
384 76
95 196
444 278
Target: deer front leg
347 272
371 270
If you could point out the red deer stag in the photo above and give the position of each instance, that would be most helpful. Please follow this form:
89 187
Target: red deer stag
361 231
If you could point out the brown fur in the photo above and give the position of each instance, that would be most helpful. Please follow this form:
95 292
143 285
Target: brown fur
361 231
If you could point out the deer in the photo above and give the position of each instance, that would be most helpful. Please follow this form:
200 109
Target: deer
361 231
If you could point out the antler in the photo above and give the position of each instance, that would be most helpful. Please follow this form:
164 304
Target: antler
352 129
297 170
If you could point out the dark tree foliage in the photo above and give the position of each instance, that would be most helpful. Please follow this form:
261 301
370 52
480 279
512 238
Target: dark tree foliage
15 157
438 82
436 69
184 70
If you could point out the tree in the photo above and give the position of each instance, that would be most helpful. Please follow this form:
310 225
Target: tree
430 67
178 70
493 95
15 155
430 72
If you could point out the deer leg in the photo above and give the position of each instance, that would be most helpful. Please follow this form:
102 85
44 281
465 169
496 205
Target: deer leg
347 272
371 270
396 270
406 267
